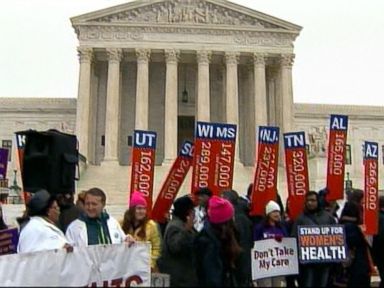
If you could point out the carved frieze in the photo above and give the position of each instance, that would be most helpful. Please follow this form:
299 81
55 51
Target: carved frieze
185 12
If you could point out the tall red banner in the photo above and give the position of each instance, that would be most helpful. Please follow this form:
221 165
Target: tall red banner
371 188
265 181
213 157
173 182
336 157
143 164
296 166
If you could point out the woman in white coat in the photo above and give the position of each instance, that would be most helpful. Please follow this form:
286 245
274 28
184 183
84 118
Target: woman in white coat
41 232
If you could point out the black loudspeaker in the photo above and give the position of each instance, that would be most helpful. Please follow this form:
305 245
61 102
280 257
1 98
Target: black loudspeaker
50 161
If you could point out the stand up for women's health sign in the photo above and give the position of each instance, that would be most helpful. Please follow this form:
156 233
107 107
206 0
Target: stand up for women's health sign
322 244
143 164
371 188
173 182
265 181
297 171
214 156
336 157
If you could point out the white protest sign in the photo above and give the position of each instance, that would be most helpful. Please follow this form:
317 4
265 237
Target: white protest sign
271 258
94 266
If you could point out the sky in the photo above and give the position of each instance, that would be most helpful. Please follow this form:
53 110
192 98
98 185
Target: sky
339 53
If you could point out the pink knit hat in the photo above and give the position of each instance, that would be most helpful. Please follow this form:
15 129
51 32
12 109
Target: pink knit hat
137 199
219 210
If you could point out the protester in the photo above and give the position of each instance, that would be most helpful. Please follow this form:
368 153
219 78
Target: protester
137 224
41 232
378 244
178 254
271 227
313 275
68 210
217 248
244 227
203 195
95 226
3 226
359 265
80 202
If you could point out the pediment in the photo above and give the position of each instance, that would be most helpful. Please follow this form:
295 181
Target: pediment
219 13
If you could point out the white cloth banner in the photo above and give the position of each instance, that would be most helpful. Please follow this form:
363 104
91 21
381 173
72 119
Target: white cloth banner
271 258
108 266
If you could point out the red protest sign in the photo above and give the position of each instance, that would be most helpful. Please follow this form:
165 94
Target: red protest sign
297 172
265 181
336 157
214 157
143 164
371 188
173 182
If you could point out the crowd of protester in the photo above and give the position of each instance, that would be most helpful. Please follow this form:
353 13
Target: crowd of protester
206 242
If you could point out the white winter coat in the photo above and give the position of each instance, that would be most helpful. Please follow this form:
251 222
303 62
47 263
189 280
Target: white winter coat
77 232
39 235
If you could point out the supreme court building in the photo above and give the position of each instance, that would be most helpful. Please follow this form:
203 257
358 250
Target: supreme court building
162 65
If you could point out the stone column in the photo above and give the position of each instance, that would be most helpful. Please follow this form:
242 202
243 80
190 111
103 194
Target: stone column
142 89
261 116
271 80
232 94
171 106
286 62
203 93
112 118
83 100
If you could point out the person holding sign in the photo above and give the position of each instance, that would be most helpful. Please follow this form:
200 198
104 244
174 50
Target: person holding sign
178 255
271 227
358 268
313 275
137 224
378 241
41 232
203 195
95 226
217 248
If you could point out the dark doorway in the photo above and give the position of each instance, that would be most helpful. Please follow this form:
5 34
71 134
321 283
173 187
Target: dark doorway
186 129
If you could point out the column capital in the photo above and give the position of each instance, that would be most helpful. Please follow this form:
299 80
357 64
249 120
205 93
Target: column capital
114 54
85 54
232 57
259 59
143 54
203 56
286 60
172 55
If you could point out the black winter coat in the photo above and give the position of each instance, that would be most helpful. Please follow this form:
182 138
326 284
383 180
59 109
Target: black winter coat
213 270
378 243
178 255
359 271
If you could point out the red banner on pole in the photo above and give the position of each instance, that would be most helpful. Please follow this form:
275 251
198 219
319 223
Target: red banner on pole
265 181
143 164
297 172
336 157
214 157
173 182
371 188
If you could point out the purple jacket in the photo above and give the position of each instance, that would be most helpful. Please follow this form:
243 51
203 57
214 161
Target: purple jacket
264 231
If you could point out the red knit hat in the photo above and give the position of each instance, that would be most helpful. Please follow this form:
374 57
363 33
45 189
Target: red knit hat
137 199
219 210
